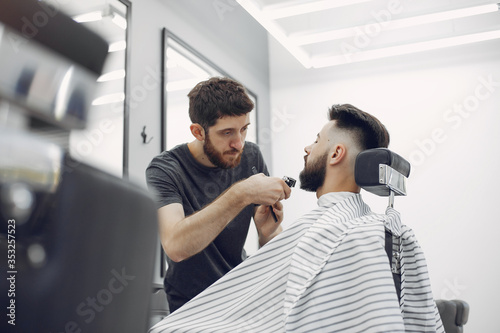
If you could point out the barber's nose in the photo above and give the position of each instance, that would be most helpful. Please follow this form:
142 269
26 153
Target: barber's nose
238 142
307 149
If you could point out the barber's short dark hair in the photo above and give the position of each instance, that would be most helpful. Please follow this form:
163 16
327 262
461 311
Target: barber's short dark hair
367 130
216 98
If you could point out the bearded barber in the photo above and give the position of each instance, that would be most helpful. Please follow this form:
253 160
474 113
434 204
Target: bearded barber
207 192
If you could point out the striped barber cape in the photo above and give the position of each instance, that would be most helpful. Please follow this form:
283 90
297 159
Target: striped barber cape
327 272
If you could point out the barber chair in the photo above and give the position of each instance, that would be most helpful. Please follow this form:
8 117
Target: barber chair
77 244
384 173
454 314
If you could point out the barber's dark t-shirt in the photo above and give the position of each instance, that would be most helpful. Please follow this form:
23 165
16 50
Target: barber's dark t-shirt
176 177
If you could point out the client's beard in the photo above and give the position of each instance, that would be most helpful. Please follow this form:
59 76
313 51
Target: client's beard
313 175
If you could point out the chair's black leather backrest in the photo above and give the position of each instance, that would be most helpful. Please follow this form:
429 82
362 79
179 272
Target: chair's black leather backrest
99 235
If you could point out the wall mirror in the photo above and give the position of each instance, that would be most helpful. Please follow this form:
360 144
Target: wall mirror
183 68
103 143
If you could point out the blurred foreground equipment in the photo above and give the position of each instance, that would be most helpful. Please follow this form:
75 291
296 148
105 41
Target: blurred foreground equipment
77 245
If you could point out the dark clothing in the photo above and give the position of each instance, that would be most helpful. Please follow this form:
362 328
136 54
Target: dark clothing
177 177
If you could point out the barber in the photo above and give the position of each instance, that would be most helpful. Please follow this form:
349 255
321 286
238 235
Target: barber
207 192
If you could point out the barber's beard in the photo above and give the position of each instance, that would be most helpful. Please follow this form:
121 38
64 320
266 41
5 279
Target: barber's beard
217 158
313 175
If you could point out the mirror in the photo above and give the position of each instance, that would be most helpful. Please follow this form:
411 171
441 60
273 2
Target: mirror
183 67
103 142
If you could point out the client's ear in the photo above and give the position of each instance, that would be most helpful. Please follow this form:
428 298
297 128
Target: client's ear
337 154
197 131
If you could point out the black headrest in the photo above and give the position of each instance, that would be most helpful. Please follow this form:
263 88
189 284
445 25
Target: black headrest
367 169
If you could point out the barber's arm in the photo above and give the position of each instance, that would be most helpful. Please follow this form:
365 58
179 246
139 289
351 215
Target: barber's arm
183 237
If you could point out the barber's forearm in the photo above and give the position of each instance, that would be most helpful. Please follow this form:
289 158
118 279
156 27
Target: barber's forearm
195 232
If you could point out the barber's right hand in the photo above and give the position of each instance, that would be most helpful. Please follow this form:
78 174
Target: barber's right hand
264 190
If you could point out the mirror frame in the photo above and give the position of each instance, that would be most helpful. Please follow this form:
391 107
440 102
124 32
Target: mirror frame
126 88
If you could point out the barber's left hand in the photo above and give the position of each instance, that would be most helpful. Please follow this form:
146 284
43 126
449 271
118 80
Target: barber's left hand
267 227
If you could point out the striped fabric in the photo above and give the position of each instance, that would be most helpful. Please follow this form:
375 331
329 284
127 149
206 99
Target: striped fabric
417 304
328 272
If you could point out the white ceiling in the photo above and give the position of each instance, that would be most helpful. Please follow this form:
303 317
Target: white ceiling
369 28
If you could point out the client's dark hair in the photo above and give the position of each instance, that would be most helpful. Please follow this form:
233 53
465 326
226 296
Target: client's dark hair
216 98
367 130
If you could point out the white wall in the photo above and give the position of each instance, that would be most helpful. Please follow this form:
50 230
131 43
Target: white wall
453 186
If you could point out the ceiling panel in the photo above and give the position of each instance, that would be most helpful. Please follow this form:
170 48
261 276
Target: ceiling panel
346 31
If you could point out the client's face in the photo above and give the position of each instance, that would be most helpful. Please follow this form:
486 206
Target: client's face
313 175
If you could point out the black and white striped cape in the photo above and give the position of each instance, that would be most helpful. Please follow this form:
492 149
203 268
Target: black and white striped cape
328 272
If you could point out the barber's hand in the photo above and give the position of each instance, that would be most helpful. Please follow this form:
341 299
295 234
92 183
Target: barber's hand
266 226
263 190
263 214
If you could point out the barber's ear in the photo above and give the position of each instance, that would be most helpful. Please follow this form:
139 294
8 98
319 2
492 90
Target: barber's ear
337 154
197 131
